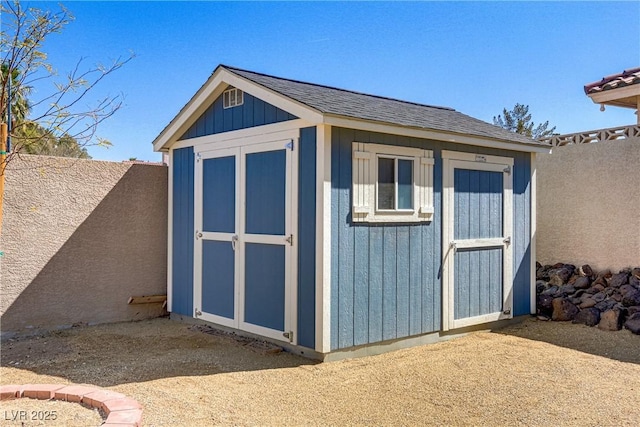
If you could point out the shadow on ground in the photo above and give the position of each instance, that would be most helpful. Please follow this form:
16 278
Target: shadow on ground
621 345
108 355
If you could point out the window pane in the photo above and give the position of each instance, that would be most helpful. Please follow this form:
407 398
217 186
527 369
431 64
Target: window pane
405 184
386 183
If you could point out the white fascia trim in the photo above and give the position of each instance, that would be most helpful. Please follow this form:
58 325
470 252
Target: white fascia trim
264 131
212 88
533 221
615 94
431 134
190 112
323 239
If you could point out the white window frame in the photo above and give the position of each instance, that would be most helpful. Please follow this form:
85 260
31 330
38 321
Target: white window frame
365 183
395 159
233 97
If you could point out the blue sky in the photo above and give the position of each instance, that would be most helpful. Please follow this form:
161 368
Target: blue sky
476 57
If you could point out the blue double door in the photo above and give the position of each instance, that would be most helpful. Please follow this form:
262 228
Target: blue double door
243 243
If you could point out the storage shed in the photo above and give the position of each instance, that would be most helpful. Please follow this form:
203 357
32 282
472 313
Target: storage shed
338 222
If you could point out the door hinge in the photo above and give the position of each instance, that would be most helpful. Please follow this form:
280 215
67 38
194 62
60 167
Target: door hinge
288 335
507 170
289 145
198 157
289 239
198 312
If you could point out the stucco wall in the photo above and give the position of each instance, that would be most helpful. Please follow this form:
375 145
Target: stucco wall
80 237
589 204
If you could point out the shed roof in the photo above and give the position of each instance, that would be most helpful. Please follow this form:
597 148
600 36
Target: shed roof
347 103
330 105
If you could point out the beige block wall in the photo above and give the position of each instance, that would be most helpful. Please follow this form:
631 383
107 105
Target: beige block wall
588 205
80 237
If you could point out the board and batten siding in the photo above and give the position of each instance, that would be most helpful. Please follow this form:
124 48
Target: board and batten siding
307 237
253 112
385 278
182 231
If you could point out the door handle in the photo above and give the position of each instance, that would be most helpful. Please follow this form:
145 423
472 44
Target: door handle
234 240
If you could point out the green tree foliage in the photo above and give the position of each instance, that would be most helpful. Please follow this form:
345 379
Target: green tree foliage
519 120
56 122
34 139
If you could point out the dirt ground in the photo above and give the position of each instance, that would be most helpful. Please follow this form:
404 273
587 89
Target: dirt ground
534 373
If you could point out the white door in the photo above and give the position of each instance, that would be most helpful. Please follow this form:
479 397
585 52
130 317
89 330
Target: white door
244 244
477 249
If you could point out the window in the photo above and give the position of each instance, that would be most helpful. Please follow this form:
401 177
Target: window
392 184
232 98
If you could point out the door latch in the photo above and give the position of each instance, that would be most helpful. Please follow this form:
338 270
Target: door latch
507 312
234 240
507 240
288 335
198 235
198 312
289 239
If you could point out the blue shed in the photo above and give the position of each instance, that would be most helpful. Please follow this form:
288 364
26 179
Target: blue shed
339 223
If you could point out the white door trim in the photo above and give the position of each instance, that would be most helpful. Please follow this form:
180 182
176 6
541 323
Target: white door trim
197 250
458 160
244 238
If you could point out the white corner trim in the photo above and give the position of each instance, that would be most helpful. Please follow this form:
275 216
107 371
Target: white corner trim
323 239
534 213
170 232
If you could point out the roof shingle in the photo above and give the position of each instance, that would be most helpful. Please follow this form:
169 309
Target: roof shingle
340 102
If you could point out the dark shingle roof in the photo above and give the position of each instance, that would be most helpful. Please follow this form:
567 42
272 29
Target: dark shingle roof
340 102
626 78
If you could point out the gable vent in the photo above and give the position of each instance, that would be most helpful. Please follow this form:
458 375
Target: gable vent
232 98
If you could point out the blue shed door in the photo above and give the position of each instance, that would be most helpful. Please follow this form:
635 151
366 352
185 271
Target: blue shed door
477 279
243 246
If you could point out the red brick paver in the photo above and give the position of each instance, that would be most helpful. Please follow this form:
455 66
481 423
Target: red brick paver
8 392
73 393
121 410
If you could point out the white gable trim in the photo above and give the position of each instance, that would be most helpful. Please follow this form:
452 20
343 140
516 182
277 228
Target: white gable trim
432 134
211 90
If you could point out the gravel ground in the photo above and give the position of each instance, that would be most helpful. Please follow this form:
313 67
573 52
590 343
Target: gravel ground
534 373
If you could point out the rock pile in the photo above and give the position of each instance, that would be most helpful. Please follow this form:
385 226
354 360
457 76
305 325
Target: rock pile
582 295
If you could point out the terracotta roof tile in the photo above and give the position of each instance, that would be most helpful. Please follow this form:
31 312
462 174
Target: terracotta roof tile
626 78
